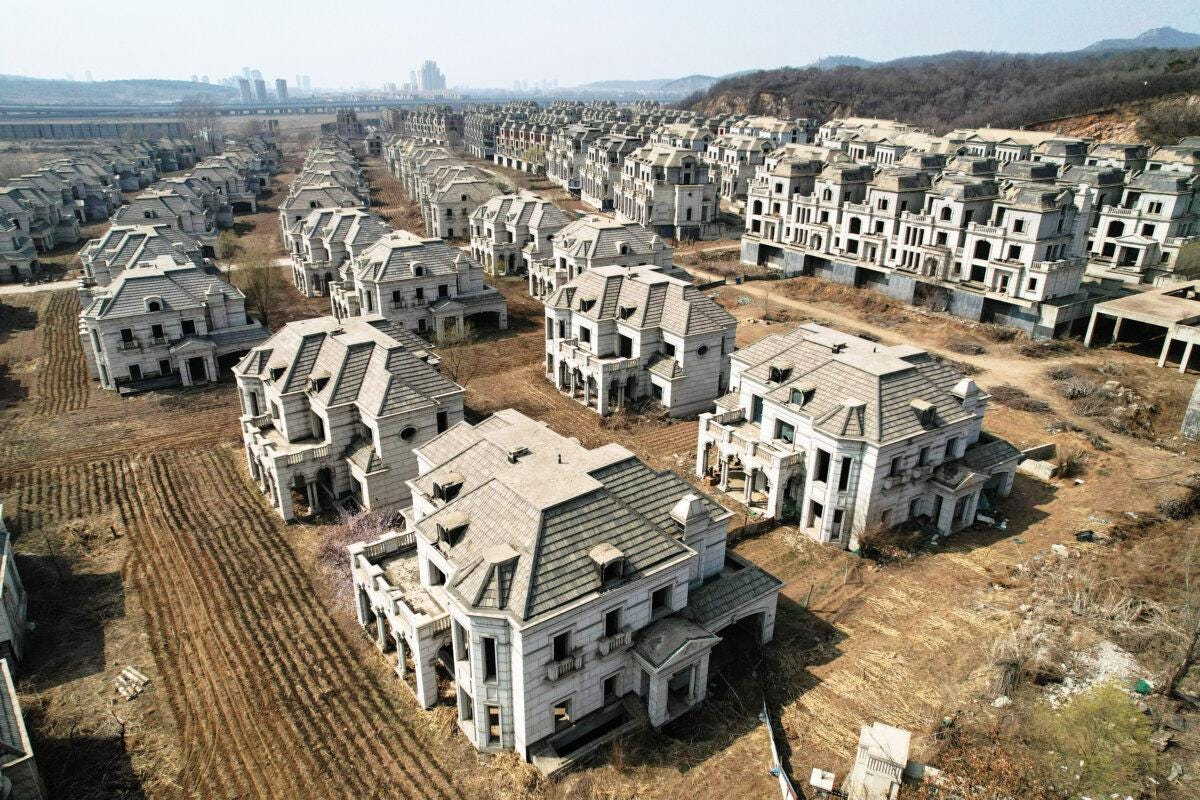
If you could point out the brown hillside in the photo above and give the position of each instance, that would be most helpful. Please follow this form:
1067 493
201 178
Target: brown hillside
1125 123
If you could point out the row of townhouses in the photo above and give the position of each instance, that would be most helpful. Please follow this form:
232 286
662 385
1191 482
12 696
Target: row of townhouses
156 310
331 177
1006 239
341 250
44 209
446 188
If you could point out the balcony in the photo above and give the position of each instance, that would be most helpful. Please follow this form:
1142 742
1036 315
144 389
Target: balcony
130 344
557 670
617 642
259 422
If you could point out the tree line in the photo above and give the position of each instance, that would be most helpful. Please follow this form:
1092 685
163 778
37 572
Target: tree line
960 90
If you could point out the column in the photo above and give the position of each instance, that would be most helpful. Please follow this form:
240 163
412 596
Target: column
602 397
1187 356
314 502
723 484
380 631
1117 329
1091 328
775 496
572 384
621 394
401 653
748 490
424 672
362 606
1166 349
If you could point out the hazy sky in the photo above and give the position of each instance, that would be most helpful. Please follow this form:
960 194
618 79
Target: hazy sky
344 43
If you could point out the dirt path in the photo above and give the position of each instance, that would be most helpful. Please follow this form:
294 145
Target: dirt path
994 367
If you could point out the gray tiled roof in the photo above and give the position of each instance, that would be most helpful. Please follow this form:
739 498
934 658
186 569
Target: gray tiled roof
862 389
394 256
177 287
729 592
540 528
599 237
352 361
643 297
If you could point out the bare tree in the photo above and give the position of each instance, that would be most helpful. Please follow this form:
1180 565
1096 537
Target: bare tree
199 114
458 357
258 278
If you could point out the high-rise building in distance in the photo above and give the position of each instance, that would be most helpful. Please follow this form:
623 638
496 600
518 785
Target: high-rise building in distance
260 90
281 90
430 78
244 90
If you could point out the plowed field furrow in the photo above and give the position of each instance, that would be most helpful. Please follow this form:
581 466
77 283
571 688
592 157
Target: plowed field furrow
282 684
259 677
63 383
333 646
242 742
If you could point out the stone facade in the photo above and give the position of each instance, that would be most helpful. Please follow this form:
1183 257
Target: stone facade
668 190
1007 251
510 233
839 435
420 285
616 335
617 627
159 323
332 411
595 241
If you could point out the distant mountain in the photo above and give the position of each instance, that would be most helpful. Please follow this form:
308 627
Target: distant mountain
833 62
20 90
692 83
651 85
1162 38
671 86
963 89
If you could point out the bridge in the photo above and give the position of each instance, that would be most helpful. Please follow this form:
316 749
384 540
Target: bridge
176 110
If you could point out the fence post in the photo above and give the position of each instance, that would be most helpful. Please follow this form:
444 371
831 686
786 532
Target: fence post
808 597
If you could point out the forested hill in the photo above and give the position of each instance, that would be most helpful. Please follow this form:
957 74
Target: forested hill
964 89
19 90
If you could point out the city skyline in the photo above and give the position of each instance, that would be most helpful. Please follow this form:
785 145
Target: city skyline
869 29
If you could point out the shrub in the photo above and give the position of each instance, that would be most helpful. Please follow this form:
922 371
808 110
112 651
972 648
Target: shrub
1068 461
1097 745
1018 399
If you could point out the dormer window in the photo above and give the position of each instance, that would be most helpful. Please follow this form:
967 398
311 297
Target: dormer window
610 563
626 312
926 412
276 373
451 527
447 487
418 270
803 395
153 305
778 373
586 304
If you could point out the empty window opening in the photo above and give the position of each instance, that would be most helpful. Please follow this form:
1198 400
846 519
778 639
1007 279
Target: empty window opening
822 471
489 658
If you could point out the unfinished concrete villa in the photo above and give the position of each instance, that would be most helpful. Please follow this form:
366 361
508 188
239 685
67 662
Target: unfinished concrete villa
512 232
160 324
570 594
333 409
595 241
837 434
616 335
422 285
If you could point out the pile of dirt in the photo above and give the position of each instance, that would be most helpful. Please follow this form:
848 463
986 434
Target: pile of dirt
1117 407
1018 399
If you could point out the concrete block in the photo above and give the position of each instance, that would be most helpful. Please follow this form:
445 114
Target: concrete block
1191 417
1042 470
